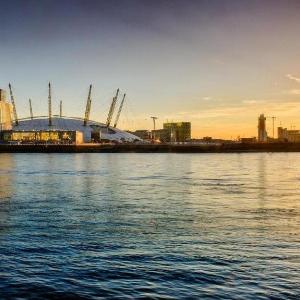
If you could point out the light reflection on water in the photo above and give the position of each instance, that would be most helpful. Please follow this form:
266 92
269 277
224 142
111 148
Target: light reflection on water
150 225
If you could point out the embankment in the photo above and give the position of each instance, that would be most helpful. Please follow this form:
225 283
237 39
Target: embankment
152 148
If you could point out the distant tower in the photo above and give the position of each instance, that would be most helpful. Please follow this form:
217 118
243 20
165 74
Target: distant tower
2 95
6 111
262 132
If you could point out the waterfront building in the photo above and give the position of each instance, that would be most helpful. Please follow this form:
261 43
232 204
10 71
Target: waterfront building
162 135
56 129
210 140
5 112
178 131
92 132
249 140
171 132
262 132
142 133
285 135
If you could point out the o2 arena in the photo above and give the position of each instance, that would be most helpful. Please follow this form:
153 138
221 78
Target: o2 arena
60 129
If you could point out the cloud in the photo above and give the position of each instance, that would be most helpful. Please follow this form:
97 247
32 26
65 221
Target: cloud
228 120
294 78
276 106
252 101
206 98
210 99
294 92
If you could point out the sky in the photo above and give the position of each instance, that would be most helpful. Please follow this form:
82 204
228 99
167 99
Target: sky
216 63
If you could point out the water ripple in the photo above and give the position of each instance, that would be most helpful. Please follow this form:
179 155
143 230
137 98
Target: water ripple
163 226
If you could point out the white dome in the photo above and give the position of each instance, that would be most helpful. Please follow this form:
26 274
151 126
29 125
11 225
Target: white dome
75 124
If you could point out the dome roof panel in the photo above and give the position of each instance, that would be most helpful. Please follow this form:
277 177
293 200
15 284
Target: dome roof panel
74 124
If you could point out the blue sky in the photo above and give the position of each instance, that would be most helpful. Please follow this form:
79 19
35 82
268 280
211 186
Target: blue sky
216 63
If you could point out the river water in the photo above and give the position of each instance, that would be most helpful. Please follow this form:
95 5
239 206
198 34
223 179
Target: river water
190 226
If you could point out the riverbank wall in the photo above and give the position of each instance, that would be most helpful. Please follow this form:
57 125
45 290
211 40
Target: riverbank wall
152 148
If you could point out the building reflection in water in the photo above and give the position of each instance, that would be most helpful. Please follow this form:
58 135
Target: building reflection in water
262 183
7 166
6 171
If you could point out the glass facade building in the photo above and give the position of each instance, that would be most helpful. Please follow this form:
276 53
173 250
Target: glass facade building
178 131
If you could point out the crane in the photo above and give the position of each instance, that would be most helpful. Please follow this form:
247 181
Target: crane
119 111
49 105
12 99
30 109
88 107
112 109
154 126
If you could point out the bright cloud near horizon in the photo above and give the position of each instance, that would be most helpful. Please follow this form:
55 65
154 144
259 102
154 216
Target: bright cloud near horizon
218 64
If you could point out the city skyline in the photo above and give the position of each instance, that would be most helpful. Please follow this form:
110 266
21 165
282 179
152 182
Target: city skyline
217 65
